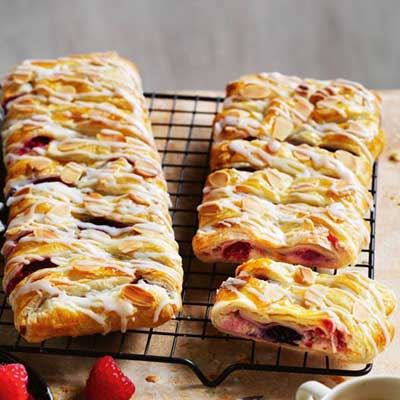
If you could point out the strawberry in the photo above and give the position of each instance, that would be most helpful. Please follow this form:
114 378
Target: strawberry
13 382
107 382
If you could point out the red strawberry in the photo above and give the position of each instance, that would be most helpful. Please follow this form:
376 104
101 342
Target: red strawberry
107 382
13 382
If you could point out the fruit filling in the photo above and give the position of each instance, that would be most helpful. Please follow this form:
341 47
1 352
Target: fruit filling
325 338
238 251
26 270
35 142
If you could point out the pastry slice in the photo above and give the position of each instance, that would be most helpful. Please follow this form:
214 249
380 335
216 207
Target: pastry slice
89 246
344 315
243 226
303 160
335 114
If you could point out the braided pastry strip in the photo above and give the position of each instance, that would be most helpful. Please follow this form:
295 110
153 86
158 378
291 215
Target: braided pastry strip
89 246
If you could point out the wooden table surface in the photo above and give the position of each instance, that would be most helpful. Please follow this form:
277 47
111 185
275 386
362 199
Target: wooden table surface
66 375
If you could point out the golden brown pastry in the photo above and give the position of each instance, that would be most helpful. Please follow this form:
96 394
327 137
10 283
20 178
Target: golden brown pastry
292 162
335 114
343 315
89 246
303 160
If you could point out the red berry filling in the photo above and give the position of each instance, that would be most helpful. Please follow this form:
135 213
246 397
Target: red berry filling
238 251
334 240
26 270
38 141
281 334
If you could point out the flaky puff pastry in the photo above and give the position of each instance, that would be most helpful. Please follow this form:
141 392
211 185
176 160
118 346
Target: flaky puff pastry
89 246
243 226
343 315
303 160
336 114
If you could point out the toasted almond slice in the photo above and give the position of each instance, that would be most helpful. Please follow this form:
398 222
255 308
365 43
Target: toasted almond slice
129 246
44 233
137 199
315 295
275 179
301 156
250 205
138 296
66 89
273 292
71 173
39 164
282 128
209 208
68 146
219 178
255 91
61 210
304 276
360 311
303 106
145 169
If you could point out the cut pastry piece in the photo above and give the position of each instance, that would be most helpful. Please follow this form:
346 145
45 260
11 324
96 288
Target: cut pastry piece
89 246
344 315
336 114
243 226
303 160
281 188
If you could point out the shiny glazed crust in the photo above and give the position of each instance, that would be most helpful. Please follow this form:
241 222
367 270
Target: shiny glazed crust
89 246
292 161
343 315
335 114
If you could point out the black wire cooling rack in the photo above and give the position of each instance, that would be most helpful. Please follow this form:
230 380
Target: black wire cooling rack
182 128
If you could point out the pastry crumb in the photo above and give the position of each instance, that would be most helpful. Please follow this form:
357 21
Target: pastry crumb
395 156
152 378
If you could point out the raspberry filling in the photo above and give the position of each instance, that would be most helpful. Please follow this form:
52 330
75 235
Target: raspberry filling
327 338
281 334
238 251
38 141
26 270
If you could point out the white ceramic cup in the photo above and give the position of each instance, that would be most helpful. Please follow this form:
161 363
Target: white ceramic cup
374 388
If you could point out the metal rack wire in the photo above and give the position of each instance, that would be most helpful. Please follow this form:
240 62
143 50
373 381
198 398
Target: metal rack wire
182 128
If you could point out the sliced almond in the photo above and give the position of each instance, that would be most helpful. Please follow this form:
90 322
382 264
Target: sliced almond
282 128
301 156
68 146
61 210
71 173
129 246
44 233
250 205
219 178
39 164
209 208
315 295
137 199
303 106
304 276
361 312
109 135
68 89
138 296
145 169
275 179
255 91
273 293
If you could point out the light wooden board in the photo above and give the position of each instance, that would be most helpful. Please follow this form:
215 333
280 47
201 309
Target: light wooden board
67 375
